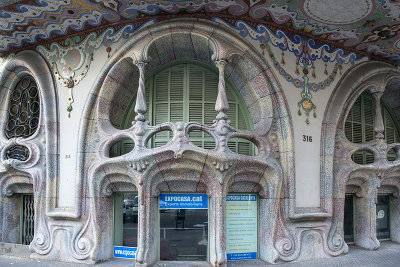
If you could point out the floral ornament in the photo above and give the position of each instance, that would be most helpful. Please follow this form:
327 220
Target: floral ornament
382 33
74 61
306 52
305 103
71 61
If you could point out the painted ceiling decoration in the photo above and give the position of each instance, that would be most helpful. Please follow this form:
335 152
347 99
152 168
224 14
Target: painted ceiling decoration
366 27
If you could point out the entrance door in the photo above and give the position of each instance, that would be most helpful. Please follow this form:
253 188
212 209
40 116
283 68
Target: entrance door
348 222
183 227
382 218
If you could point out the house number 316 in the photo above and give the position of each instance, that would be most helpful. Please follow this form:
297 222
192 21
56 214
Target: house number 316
307 138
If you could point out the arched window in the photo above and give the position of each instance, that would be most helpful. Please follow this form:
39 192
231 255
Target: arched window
22 121
24 109
187 91
359 126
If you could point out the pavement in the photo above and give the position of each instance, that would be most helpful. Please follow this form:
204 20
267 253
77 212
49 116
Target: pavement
387 256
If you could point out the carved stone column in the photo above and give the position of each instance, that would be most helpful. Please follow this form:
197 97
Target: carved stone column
395 218
365 215
378 126
217 211
221 105
140 106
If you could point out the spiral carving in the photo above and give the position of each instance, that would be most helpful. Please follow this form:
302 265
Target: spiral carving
83 245
40 240
285 246
337 241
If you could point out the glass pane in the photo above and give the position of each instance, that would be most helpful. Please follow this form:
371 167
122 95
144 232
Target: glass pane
130 219
348 224
382 218
183 231
241 227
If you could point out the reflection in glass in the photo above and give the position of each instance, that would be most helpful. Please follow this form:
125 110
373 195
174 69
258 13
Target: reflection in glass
130 219
348 223
382 217
183 234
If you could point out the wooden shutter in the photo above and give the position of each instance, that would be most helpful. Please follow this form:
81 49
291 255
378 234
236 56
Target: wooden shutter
187 92
359 127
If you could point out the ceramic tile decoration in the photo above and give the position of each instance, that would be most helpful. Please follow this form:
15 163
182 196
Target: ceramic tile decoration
292 104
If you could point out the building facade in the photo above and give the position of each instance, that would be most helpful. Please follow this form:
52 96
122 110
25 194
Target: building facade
159 134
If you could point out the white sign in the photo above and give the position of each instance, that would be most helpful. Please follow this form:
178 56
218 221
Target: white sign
241 227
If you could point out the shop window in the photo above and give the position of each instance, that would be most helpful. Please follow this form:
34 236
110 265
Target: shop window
27 219
241 226
183 220
383 218
125 219
348 222
359 127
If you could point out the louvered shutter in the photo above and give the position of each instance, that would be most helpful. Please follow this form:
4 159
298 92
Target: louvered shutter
359 127
187 92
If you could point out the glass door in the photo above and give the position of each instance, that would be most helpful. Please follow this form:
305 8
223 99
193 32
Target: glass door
183 227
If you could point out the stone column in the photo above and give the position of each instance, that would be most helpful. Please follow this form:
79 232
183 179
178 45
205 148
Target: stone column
378 126
365 215
221 105
217 211
140 106
395 218
147 228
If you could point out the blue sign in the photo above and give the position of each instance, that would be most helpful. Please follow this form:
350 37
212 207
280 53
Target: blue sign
241 256
125 252
183 201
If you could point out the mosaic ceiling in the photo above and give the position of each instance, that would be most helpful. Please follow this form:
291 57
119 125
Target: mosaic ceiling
367 27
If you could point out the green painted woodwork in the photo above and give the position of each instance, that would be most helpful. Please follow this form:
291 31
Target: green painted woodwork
359 127
187 91
118 234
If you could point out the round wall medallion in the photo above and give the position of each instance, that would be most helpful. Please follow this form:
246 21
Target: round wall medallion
338 12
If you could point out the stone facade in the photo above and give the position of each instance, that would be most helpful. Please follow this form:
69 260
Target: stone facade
82 231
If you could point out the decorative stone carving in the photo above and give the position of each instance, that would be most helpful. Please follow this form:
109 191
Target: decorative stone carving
365 180
180 163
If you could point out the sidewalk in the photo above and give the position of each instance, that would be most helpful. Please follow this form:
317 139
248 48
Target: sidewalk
387 255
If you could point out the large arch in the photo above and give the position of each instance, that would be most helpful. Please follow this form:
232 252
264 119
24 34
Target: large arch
38 174
212 171
340 172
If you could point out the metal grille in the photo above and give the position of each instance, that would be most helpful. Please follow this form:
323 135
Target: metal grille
28 220
18 152
23 111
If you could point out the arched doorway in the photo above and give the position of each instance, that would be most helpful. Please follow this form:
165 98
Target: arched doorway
181 91
359 128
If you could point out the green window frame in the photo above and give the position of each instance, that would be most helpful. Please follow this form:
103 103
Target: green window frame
359 126
187 91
